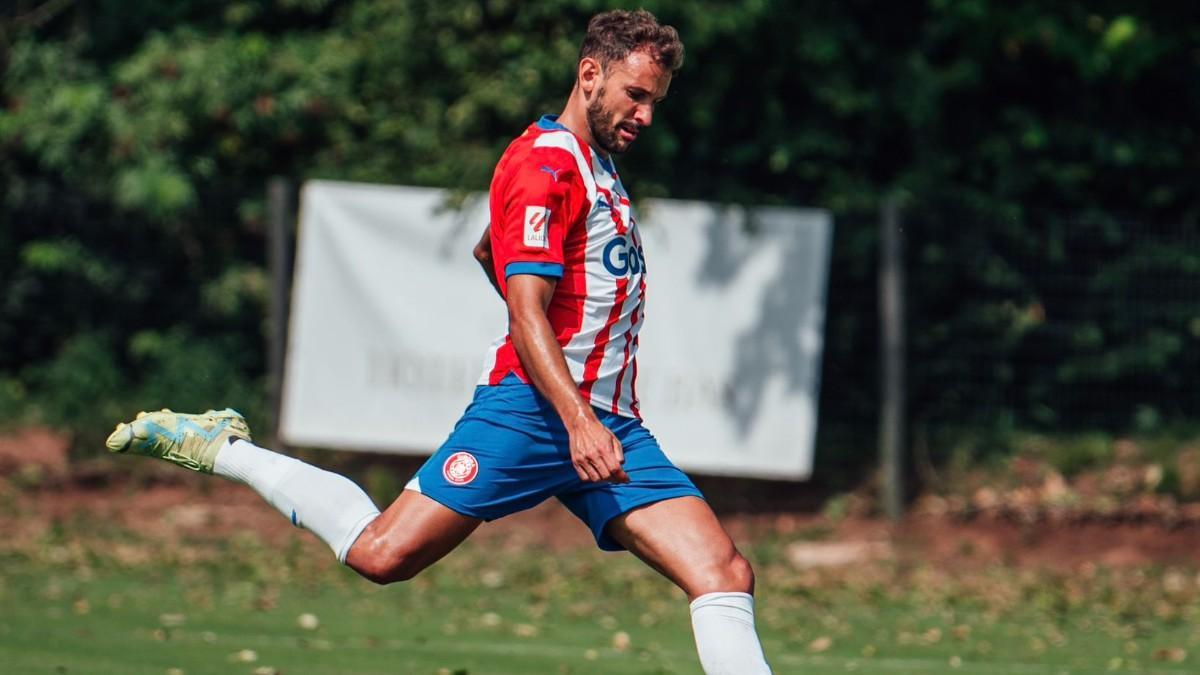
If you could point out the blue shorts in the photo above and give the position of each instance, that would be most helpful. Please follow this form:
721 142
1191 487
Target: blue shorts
510 452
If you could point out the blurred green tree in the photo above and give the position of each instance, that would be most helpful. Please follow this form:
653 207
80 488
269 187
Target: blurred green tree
1035 144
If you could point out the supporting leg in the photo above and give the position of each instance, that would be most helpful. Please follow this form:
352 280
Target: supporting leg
684 541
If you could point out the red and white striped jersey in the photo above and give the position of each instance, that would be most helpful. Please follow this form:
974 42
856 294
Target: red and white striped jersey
558 209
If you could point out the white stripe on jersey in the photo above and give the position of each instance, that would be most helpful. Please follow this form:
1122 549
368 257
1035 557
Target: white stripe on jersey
489 361
565 140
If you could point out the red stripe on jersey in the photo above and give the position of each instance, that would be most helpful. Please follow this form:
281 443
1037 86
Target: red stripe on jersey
633 405
633 397
629 342
624 364
592 366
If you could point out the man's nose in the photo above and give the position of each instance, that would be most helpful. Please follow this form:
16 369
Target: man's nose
644 114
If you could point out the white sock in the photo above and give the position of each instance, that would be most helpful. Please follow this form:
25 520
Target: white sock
725 637
329 505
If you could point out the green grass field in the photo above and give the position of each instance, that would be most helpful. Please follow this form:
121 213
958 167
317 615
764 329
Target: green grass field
87 597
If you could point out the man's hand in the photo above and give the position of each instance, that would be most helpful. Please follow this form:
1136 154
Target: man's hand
596 452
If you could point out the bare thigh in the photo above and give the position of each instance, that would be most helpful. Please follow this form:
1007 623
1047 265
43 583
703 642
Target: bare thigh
684 541
412 534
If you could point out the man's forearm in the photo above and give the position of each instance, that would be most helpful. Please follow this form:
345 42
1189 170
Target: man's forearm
544 363
595 451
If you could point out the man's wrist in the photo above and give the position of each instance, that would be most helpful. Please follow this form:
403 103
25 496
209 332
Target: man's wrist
580 417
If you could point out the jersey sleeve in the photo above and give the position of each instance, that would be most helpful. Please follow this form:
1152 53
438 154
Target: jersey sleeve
537 208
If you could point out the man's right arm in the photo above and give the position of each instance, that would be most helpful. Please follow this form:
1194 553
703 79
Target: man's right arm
595 452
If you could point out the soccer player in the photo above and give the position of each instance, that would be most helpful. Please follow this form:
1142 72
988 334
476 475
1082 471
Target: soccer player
556 411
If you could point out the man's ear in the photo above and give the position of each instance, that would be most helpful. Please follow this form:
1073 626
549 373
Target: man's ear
590 75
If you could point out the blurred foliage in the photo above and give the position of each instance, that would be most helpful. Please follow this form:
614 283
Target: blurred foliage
1046 154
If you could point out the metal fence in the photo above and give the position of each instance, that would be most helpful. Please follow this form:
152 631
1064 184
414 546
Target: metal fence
1048 322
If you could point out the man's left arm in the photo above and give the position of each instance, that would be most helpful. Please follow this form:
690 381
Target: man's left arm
483 255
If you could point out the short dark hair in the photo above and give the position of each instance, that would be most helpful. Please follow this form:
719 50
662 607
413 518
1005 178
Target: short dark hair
612 36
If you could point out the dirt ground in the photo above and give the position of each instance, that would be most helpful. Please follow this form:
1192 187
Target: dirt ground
41 488
208 508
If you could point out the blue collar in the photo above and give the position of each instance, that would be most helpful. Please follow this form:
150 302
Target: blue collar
550 123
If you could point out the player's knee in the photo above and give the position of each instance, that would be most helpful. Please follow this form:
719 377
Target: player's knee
731 574
391 570
388 563
740 574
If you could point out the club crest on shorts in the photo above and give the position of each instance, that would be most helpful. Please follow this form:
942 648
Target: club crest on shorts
460 468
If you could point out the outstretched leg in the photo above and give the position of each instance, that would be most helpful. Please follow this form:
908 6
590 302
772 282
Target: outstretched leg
684 541
413 533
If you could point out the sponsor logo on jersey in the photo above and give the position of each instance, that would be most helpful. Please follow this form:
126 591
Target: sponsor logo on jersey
621 257
537 220
460 468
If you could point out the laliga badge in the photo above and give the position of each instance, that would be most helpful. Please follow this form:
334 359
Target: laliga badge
460 468
537 220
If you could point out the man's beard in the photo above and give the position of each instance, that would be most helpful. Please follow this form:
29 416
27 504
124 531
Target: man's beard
600 123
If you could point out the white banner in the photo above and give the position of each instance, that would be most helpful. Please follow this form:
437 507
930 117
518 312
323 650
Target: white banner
391 318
